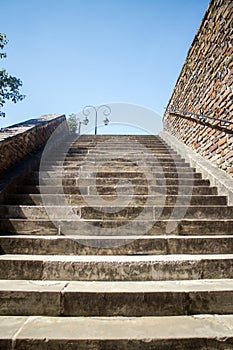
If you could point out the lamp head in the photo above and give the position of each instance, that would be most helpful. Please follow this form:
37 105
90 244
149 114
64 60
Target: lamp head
85 121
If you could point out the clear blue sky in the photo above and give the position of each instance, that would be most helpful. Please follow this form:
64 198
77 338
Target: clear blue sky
72 53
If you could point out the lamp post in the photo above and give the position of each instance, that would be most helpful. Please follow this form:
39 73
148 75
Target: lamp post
84 122
106 112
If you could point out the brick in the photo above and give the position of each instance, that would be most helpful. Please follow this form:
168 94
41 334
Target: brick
222 141
208 84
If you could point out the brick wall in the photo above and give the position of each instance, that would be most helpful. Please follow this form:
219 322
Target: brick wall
205 85
21 140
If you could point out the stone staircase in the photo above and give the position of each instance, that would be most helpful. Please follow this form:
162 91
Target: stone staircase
114 242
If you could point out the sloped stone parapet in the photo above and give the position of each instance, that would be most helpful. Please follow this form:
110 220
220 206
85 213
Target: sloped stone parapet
21 140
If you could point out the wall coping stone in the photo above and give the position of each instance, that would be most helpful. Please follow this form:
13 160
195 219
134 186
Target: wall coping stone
15 129
217 177
22 140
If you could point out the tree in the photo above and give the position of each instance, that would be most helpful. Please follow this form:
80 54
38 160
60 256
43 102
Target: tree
9 85
72 122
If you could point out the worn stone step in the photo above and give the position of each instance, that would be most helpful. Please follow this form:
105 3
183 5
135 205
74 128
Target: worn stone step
105 189
128 298
151 157
120 143
116 143
202 332
150 212
73 199
129 174
132 157
159 160
125 151
113 145
154 162
116 245
51 181
116 212
97 139
116 268
117 174
150 139
192 226
116 168
121 146
117 138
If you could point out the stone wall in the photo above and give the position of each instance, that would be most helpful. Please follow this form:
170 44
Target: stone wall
22 140
205 86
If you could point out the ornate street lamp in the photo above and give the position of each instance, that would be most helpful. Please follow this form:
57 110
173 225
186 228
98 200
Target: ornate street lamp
106 112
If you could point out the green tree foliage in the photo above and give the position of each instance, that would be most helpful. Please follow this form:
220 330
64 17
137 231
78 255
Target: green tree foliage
9 85
72 123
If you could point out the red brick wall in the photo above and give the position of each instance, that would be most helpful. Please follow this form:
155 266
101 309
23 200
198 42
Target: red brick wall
205 85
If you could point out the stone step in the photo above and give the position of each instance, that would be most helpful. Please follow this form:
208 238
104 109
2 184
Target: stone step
51 181
187 227
116 268
116 245
202 332
152 162
85 137
116 138
119 151
114 157
116 168
115 143
107 145
151 212
124 148
105 189
73 199
132 157
116 174
128 298
116 212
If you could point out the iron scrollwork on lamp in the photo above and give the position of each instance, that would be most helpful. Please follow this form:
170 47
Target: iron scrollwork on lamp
106 113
